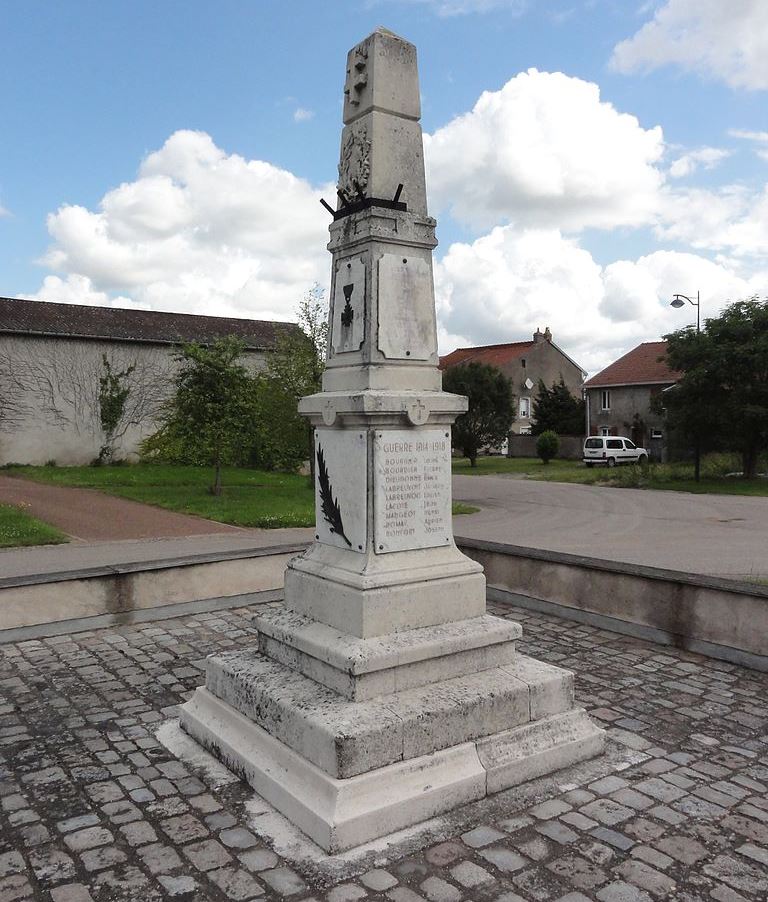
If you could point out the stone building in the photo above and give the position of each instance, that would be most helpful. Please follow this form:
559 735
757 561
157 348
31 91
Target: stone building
52 357
620 397
524 362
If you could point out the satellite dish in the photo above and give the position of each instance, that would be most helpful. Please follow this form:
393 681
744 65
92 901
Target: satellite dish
528 384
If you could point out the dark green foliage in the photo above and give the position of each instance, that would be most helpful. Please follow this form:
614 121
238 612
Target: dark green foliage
547 445
279 440
210 418
113 393
491 407
222 414
556 409
721 400
294 370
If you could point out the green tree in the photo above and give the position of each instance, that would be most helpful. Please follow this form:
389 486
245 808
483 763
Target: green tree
210 418
294 370
491 407
722 394
547 445
556 409
113 393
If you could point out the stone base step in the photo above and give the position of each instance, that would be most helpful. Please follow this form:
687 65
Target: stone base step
361 669
339 814
345 738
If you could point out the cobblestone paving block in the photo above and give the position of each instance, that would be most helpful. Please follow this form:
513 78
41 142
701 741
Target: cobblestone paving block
378 880
95 809
437 890
285 881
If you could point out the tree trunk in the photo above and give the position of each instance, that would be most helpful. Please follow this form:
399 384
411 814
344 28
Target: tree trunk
472 460
216 487
749 462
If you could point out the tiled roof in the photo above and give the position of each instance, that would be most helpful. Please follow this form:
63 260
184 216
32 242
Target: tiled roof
79 321
644 365
495 355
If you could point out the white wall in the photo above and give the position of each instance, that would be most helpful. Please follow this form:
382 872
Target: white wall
49 396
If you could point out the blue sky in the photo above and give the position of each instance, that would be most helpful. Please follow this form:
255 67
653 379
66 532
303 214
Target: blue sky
170 155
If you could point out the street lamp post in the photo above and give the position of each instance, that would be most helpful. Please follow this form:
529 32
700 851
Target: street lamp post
678 300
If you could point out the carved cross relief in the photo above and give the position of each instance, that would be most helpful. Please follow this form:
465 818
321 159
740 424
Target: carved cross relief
357 77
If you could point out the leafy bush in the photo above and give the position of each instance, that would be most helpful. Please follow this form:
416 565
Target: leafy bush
715 466
547 445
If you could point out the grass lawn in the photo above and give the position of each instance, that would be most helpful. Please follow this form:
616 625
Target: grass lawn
18 528
665 477
530 467
249 497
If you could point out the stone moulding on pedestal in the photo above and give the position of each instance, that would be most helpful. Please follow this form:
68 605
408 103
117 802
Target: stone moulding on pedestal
382 694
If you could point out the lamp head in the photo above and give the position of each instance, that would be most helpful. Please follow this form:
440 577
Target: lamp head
677 301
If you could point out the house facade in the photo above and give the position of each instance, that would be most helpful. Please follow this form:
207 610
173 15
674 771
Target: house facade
621 398
54 356
524 363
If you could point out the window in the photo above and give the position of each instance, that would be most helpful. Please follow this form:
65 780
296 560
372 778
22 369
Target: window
605 399
605 430
525 408
522 360
630 446
594 443
614 444
657 433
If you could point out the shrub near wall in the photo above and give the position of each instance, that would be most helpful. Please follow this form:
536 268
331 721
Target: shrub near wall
571 446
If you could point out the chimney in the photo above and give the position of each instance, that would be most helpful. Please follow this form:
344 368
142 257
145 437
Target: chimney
538 335
547 334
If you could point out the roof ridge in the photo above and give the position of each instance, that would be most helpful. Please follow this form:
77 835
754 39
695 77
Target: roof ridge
140 310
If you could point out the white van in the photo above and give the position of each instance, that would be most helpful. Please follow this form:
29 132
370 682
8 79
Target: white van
611 450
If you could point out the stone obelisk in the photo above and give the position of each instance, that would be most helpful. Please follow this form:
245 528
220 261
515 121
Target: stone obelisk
382 693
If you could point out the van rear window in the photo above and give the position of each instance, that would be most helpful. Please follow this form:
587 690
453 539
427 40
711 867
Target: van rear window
593 443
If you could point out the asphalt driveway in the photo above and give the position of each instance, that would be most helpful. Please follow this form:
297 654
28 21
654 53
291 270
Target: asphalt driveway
722 535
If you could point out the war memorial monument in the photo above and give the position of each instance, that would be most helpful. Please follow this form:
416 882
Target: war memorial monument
381 693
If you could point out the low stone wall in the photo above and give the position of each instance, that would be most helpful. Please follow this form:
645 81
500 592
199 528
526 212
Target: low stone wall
721 618
125 589
571 446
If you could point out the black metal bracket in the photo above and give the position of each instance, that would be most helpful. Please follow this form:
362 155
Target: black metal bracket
364 203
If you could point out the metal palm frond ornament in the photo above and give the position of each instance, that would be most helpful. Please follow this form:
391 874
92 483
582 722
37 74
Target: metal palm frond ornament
330 505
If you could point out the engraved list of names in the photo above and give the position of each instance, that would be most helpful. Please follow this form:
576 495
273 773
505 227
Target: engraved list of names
412 503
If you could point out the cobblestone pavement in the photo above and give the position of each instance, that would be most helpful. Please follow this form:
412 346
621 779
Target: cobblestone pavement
95 808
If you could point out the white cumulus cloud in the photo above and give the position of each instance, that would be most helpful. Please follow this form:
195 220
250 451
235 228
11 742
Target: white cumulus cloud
300 114
546 151
732 219
198 231
722 39
701 158
76 289
758 139
502 286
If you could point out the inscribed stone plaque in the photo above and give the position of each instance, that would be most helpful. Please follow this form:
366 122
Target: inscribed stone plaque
349 306
412 489
406 308
341 459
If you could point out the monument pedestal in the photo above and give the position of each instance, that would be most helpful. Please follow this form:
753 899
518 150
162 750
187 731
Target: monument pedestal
347 772
382 693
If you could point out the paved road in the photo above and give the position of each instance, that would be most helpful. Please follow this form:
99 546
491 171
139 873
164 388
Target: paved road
716 534
720 535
